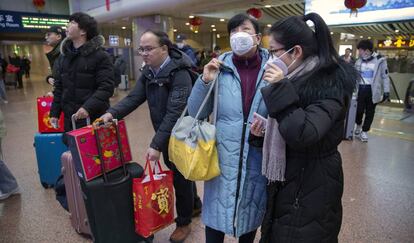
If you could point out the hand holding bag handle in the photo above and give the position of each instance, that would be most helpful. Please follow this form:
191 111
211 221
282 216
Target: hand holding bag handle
73 118
98 122
151 171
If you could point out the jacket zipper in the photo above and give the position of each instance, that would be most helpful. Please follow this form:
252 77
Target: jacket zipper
239 177
241 156
296 205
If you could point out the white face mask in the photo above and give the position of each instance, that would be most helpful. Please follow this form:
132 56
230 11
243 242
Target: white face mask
278 62
241 43
180 45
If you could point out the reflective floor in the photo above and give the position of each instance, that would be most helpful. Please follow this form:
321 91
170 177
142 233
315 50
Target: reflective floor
379 184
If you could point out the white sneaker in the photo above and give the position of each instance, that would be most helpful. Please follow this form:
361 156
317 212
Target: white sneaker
358 130
8 194
363 137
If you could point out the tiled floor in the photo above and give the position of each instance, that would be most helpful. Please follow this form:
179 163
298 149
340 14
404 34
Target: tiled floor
379 183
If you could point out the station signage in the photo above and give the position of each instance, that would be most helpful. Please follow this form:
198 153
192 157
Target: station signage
399 43
113 40
30 22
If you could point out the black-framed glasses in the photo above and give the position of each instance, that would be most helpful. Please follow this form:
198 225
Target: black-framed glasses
147 49
274 51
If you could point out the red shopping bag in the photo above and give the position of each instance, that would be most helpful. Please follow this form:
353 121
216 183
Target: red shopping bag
153 196
12 69
43 120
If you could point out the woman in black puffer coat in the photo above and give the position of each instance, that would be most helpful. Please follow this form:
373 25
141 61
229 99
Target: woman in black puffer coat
310 105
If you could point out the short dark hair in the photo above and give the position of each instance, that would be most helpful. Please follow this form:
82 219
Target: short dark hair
86 23
365 45
163 38
239 19
294 30
348 49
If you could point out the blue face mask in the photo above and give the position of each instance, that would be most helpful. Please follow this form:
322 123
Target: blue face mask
278 62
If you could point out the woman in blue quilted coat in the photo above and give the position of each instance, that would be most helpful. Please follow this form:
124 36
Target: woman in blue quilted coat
235 201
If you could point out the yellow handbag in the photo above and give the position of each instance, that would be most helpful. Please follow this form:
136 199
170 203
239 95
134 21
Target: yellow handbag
192 147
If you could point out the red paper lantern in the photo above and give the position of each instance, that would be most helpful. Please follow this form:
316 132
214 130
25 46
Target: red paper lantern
39 4
254 12
195 23
353 5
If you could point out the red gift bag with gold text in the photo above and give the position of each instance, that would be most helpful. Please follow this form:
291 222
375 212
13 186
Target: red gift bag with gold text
43 111
153 201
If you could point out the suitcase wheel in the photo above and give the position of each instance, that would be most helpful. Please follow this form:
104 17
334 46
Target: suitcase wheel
46 186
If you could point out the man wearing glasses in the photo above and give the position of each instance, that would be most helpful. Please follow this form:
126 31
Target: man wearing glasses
165 83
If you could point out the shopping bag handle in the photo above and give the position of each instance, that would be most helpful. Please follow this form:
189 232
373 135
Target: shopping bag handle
214 85
151 172
96 125
73 118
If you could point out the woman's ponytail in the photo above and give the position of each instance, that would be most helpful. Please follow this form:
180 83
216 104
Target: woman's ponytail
326 51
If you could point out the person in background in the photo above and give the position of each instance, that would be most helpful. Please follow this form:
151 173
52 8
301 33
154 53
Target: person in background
3 65
54 37
309 90
165 83
216 52
84 79
8 183
181 44
374 86
26 67
17 62
3 95
347 57
119 69
234 202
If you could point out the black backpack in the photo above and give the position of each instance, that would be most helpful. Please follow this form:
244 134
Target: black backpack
193 74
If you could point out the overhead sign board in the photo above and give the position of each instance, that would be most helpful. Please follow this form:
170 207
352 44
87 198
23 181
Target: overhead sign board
334 12
30 22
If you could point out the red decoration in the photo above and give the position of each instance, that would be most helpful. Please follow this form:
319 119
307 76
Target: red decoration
255 12
195 23
39 4
353 5
107 3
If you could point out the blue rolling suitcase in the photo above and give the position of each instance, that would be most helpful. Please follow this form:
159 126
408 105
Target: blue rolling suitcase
49 149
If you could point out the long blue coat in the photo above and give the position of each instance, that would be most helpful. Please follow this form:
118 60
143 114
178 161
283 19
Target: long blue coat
235 201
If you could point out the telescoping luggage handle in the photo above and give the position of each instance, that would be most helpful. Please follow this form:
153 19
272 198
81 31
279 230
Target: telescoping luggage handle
98 123
73 118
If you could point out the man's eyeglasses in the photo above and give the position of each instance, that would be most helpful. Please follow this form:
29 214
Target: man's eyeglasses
274 51
142 50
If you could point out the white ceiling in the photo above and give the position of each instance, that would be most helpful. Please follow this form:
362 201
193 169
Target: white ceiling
212 10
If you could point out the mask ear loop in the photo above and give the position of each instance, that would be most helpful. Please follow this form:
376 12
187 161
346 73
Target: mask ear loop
286 52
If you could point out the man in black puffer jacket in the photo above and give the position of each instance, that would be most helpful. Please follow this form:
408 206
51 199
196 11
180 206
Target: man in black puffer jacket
54 37
84 79
165 83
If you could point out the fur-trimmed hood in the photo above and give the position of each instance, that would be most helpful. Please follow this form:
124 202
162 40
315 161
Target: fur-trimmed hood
90 46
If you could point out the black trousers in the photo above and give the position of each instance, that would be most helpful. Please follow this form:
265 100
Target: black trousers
185 194
20 78
215 236
365 106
